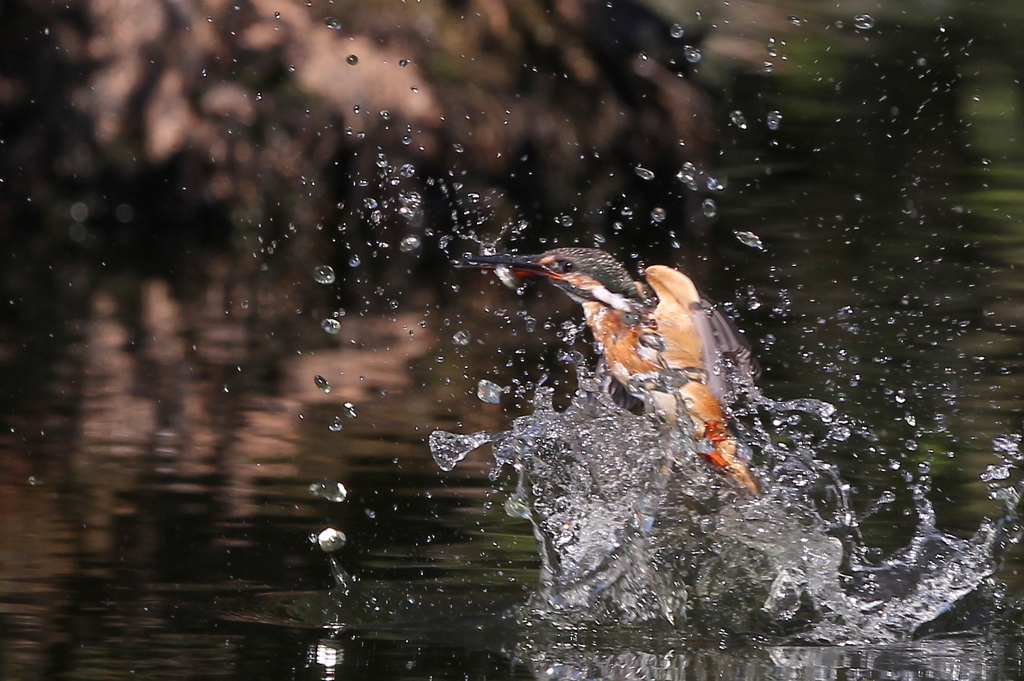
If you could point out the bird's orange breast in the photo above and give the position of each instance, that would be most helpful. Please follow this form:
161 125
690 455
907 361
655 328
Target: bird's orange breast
619 341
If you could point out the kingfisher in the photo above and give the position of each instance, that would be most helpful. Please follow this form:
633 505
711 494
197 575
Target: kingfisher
660 342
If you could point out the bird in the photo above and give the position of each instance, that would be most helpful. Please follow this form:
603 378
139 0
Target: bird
659 341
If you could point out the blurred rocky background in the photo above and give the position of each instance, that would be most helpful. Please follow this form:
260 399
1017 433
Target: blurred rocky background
221 147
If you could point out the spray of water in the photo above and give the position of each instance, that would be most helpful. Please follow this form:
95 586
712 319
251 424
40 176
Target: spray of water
634 529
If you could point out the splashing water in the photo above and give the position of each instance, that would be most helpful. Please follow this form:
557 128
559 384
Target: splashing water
633 528
451 448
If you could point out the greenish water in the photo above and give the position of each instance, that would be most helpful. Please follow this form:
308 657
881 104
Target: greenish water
159 440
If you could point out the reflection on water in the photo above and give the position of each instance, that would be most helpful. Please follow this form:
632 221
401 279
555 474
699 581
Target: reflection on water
176 534
173 531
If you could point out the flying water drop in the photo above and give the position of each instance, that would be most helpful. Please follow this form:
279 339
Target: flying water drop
489 392
688 175
331 539
323 274
336 424
864 22
409 244
644 173
333 23
773 120
709 208
461 337
716 184
322 383
451 448
331 326
331 490
750 239
738 120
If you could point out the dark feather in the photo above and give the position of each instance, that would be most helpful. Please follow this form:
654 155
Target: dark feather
620 396
727 354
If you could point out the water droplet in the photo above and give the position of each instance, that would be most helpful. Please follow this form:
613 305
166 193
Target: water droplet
864 22
769 67
677 31
333 23
410 199
331 326
716 184
688 175
458 148
350 410
324 274
840 433
658 215
451 448
1008 445
403 62
996 472
489 392
352 59
750 239
793 19
354 261
692 55
644 173
461 337
277 15
407 170
329 489
738 120
330 540
565 220
709 208
336 424
773 120
409 244
322 383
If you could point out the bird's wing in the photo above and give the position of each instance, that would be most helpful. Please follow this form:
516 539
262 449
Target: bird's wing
699 334
676 318
729 355
619 394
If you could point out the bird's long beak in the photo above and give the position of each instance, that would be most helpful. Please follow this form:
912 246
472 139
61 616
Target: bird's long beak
522 265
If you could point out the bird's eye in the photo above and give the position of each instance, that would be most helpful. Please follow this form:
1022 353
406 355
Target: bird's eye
562 266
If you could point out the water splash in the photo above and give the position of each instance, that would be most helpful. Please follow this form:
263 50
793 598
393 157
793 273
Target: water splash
451 448
633 528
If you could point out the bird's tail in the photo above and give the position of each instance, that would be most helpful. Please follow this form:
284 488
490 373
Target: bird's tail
725 457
